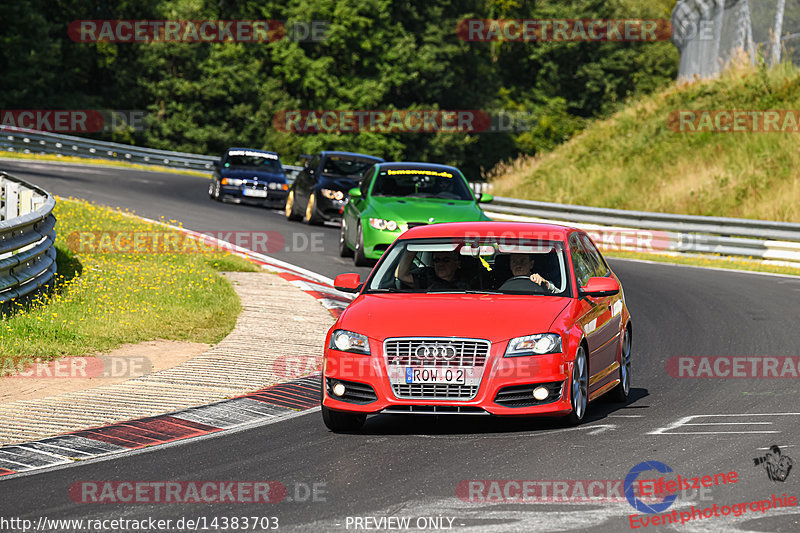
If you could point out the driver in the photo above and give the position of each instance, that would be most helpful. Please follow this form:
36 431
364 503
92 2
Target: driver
521 265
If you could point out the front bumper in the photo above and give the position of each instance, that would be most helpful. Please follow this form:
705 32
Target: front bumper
330 210
377 241
275 197
365 372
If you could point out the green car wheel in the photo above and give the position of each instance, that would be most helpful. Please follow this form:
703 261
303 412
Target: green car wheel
344 250
359 258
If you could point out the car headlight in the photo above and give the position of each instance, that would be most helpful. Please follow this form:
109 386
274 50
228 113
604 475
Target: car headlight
231 181
379 223
332 195
347 341
534 345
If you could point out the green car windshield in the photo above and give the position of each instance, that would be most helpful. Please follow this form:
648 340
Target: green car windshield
421 183
484 265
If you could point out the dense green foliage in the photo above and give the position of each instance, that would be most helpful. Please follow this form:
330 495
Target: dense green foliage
379 54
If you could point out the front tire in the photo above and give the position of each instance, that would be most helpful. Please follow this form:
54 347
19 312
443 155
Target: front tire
288 209
578 388
344 250
621 391
359 258
340 422
311 216
213 190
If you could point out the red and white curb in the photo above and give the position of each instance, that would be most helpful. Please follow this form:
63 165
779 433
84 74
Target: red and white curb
269 403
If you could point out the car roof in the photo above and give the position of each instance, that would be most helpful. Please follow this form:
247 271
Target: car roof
513 230
252 150
352 154
417 165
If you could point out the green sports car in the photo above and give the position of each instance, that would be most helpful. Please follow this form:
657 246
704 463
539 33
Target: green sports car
396 196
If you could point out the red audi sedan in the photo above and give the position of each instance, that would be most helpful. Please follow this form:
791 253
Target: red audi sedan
476 318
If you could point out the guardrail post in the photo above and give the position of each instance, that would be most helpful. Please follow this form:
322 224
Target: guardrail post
12 200
25 202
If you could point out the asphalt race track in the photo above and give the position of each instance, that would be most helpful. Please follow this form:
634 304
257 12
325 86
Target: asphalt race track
412 466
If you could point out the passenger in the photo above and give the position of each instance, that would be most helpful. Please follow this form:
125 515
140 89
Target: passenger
445 274
521 265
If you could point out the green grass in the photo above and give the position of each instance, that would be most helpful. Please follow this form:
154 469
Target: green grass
106 162
103 300
635 161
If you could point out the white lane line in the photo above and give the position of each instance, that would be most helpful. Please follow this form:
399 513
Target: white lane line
687 421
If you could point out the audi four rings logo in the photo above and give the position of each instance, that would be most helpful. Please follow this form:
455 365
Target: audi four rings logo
434 351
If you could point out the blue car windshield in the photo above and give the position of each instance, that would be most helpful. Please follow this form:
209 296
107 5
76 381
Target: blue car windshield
263 163
421 183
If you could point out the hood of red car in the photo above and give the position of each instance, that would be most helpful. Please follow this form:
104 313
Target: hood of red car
484 316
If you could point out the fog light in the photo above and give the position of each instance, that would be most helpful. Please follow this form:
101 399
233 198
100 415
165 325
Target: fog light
540 393
338 389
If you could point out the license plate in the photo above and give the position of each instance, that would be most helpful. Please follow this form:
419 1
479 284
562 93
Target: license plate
255 193
426 374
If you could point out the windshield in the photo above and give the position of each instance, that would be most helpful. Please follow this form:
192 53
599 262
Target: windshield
483 265
349 167
255 160
421 183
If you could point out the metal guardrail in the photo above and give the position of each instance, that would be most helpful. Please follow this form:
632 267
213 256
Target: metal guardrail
677 233
27 234
763 239
26 141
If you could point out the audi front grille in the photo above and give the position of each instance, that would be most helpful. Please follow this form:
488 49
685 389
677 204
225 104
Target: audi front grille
468 355
420 351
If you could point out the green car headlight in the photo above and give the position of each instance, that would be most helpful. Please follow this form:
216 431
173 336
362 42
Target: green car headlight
381 224
534 345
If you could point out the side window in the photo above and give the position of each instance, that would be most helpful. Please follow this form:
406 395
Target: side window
365 183
580 261
598 264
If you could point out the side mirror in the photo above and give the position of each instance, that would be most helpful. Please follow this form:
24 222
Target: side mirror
354 193
598 287
485 197
347 283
